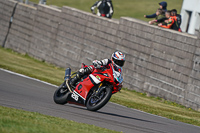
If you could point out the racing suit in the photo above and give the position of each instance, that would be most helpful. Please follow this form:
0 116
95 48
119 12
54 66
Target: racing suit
172 24
87 70
104 8
178 21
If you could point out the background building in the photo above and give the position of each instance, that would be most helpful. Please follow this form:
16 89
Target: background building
190 16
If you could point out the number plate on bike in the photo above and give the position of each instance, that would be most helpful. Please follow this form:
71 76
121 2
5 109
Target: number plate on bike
74 96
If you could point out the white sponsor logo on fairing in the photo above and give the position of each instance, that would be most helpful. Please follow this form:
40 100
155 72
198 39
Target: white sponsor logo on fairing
95 79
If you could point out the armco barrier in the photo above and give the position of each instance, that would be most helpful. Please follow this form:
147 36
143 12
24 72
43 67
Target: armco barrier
159 61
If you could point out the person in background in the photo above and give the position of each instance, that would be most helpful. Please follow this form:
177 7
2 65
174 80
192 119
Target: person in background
177 18
160 14
163 5
104 8
171 22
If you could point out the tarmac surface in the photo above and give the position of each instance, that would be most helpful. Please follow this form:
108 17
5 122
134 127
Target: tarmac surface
21 92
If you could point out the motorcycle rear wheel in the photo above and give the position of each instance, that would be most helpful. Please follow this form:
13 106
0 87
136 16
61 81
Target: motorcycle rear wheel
94 105
61 95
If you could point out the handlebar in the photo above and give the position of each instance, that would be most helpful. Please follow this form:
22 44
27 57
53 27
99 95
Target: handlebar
103 68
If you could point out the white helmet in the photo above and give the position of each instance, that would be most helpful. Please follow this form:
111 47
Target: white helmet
118 58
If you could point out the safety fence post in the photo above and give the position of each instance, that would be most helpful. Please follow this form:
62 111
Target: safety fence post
26 2
42 2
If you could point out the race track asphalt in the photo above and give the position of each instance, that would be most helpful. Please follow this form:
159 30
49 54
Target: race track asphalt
31 95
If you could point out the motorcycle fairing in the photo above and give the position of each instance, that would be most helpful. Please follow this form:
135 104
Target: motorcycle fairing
98 76
76 98
95 80
81 91
85 86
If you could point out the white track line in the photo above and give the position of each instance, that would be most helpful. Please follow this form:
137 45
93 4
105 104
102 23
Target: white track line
27 77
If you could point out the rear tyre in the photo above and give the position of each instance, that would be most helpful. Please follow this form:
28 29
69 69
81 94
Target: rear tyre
61 95
95 102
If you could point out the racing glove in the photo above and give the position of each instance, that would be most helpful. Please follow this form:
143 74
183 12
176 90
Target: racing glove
97 64
92 10
108 15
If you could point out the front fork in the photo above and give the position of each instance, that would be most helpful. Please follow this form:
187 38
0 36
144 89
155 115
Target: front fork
98 90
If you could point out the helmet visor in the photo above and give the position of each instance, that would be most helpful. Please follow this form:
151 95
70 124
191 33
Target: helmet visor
118 62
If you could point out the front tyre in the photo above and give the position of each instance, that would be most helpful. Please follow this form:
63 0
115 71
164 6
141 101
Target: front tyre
97 101
61 95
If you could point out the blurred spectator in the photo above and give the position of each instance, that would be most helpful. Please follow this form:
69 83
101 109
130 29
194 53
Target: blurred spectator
104 8
171 24
160 14
177 18
163 5
169 21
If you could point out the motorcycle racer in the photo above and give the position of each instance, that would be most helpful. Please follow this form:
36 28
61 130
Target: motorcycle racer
117 59
92 86
104 8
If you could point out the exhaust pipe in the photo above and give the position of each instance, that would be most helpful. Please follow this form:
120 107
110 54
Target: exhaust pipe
67 73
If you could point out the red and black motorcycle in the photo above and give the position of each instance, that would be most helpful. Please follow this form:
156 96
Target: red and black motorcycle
93 91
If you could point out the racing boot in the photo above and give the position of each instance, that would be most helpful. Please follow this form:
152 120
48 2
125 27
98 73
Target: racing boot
74 80
81 73
71 83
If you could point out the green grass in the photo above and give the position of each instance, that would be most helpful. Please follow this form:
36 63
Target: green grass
157 106
19 121
130 8
29 66
26 65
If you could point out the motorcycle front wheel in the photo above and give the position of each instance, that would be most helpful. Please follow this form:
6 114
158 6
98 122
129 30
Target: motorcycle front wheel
97 101
61 95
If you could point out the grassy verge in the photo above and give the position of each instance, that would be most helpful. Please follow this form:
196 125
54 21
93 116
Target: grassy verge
131 8
19 121
157 106
26 65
